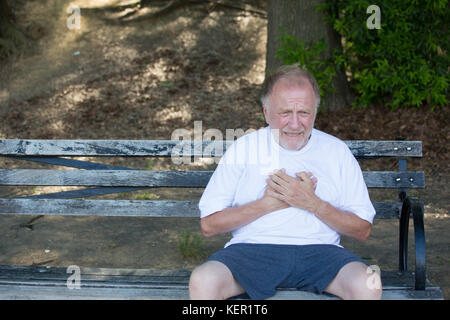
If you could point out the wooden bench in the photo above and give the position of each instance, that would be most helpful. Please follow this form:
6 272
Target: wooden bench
38 282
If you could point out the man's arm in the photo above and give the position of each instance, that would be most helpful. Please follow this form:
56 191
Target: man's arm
344 222
300 193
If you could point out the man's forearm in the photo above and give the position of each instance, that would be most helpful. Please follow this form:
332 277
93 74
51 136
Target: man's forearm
344 222
232 218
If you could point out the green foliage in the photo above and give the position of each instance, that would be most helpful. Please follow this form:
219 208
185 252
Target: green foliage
311 58
405 62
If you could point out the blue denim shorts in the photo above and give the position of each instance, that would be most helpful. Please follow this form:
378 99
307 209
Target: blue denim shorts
262 268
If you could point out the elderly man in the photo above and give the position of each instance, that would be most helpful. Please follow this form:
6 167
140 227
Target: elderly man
286 192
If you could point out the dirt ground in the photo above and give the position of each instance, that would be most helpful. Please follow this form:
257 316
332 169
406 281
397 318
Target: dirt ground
116 79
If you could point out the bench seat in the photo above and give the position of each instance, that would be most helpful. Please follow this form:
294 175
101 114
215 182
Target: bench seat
32 282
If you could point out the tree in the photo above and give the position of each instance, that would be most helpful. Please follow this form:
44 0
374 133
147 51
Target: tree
302 20
6 16
10 37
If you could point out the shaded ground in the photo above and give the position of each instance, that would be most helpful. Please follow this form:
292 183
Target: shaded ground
143 80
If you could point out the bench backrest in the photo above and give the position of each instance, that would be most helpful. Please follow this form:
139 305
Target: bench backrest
105 179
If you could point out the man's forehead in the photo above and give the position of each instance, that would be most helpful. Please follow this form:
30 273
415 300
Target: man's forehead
292 94
293 82
286 85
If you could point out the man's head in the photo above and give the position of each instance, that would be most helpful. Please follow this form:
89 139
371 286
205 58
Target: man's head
290 100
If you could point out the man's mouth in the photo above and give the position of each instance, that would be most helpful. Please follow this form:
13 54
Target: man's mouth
292 134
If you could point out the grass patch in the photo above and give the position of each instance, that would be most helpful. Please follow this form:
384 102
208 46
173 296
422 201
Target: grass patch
191 245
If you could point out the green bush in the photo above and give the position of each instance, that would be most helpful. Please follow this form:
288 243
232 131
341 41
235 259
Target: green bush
404 63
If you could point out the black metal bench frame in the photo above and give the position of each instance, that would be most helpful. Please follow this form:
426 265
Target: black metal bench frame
32 282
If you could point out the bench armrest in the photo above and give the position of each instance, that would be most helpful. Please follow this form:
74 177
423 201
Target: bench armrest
412 206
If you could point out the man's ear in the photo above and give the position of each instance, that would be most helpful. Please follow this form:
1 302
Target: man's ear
266 115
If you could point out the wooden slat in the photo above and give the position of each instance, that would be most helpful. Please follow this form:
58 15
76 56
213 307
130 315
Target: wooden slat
22 282
162 148
133 277
165 148
147 178
106 178
134 208
388 148
116 275
387 210
128 208
394 179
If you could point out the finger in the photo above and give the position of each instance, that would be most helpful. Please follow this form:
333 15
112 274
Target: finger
300 174
304 176
275 186
313 179
279 180
283 175
274 194
305 179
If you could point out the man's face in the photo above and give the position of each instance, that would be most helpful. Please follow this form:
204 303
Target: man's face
291 110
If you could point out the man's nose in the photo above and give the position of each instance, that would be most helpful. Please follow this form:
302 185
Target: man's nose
294 122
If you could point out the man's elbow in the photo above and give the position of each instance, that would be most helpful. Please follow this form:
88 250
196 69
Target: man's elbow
206 228
364 234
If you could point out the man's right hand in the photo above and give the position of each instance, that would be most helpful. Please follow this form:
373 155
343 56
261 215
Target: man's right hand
270 200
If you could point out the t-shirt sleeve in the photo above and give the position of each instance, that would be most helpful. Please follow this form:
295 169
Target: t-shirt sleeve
220 190
355 196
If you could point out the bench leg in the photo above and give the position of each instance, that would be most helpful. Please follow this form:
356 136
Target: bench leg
411 205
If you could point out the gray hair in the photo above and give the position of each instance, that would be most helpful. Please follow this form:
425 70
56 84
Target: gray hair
293 73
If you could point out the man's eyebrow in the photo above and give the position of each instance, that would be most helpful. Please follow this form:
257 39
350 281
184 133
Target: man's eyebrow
285 108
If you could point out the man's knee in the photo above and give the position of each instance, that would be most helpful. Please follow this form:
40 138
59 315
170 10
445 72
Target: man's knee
356 281
202 283
211 280
365 284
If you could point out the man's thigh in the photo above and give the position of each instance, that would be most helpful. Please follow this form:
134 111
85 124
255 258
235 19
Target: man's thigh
214 279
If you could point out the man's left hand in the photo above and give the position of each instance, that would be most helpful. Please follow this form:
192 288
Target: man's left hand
297 192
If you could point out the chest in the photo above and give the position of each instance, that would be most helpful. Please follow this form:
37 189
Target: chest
253 182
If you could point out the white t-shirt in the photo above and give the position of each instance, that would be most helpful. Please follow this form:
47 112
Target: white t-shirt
241 174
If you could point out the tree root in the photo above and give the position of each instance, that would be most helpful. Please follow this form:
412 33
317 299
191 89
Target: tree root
143 14
130 11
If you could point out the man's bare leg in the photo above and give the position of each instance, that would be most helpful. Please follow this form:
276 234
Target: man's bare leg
213 280
352 283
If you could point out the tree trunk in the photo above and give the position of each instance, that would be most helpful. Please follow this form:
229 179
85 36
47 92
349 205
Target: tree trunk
6 16
300 19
